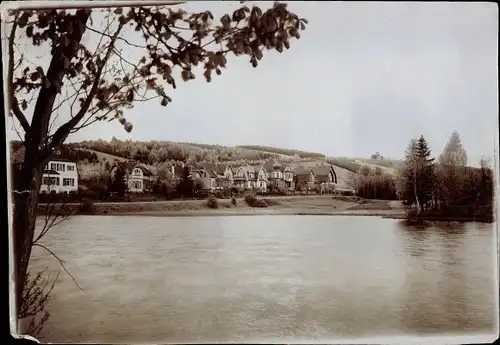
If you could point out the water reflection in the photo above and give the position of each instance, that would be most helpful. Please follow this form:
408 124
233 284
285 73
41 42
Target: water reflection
231 279
441 254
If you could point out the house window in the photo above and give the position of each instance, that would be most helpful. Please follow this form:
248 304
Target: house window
57 166
137 184
50 181
71 167
69 182
137 171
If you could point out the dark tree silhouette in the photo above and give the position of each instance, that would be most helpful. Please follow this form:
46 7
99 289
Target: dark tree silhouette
118 184
186 184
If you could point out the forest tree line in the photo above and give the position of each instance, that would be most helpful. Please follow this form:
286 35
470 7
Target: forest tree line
153 152
429 187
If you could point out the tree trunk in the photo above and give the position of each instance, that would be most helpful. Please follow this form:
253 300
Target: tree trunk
38 151
25 212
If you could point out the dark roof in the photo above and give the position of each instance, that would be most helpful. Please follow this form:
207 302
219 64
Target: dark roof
321 170
18 156
128 166
146 171
50 172
218 168
300 170
302 173
210 169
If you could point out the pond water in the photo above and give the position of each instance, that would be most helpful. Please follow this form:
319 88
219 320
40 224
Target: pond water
267 278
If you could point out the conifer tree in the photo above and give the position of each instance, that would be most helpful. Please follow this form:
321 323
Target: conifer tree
186 183
418 174
118 183
425 173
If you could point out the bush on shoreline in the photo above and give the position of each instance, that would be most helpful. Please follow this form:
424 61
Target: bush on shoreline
212 203
252 201
87 207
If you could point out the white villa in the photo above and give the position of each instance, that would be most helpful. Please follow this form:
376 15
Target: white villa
60 174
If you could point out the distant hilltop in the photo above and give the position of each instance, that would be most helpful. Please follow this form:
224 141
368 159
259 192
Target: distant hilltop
156 152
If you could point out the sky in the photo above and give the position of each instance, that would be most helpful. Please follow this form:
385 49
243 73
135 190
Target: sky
364 77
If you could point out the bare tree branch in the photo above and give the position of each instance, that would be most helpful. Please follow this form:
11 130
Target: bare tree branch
62 132
14 105
61 262
53 217
104 34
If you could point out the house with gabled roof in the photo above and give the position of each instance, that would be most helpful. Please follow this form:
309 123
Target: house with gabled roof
60 173
138 177
325 177
206 174
304 177
221 175
251 177
280 175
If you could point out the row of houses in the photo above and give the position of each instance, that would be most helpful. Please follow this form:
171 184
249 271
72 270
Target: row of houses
60 174
262 177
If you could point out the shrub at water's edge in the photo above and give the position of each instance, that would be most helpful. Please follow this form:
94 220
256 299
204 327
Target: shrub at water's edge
87 207
253 201
212 203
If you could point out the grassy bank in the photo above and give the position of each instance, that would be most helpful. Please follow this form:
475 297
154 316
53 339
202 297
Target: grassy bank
286 205
313 205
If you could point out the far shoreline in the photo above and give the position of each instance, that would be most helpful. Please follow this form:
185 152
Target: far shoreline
395 216
320 205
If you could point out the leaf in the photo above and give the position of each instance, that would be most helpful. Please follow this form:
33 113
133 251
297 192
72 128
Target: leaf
34 76
29 31
151 84
118 10
185 75
24 104
164 101
128 127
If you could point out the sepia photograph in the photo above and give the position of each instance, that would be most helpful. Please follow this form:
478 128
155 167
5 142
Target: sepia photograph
252 171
